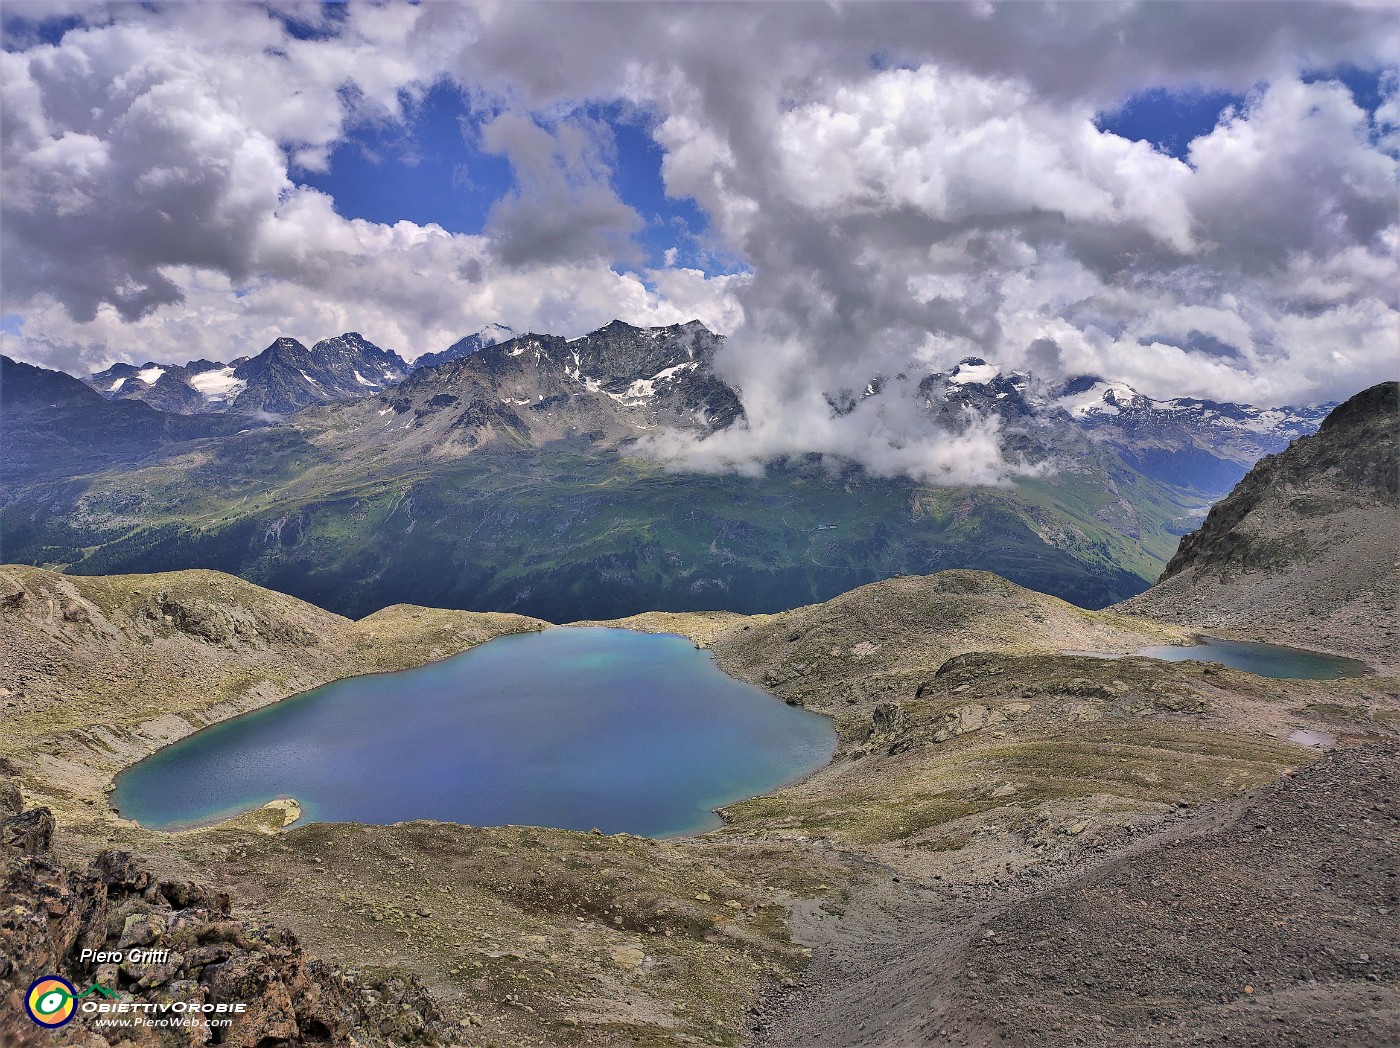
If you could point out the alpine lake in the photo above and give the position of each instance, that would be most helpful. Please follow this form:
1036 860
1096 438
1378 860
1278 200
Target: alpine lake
575 728
1263 660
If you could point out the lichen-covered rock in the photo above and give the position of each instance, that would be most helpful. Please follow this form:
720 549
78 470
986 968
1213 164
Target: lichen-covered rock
887 719
30 831
141 929
119 870
45 911
270 1015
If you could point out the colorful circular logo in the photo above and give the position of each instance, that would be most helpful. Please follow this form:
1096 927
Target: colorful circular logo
50 1001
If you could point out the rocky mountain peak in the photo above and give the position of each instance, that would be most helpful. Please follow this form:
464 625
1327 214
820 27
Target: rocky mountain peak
607 386
1375 408
287 376
619 355
490 335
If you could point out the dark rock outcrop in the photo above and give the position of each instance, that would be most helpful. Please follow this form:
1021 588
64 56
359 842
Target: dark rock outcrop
49 914
30 832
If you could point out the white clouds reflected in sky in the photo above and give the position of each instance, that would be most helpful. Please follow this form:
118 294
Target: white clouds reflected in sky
1197 199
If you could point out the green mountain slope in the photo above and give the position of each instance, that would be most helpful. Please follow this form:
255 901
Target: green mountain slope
579 535
508 480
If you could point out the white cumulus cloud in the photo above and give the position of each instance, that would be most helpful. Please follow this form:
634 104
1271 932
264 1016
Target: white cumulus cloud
904 183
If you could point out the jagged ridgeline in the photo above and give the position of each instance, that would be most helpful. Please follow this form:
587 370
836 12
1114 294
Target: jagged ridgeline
506 475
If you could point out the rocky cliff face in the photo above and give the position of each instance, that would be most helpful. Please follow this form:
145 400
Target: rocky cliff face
1305 549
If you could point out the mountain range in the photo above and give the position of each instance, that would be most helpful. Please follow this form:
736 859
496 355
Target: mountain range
512 476
284 377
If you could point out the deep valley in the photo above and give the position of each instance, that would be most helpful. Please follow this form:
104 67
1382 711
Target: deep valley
518 478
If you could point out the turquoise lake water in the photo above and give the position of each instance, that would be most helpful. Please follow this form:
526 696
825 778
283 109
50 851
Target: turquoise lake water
572 728
1265 660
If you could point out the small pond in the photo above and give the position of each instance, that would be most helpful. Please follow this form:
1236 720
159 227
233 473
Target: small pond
1264 660
572 727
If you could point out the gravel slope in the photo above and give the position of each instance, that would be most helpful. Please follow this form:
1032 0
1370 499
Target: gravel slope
1268 921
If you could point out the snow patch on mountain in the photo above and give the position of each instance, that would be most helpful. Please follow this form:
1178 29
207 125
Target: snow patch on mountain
220 384
973 369
1105 398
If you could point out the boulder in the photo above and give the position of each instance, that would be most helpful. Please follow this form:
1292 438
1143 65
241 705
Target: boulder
185 895
118 869
30 832
141 929
269 1017
11 799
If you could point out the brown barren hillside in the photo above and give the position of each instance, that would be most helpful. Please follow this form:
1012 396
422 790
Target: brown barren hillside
1306 549
96 672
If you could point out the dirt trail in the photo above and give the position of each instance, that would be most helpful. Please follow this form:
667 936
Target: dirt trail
1269 921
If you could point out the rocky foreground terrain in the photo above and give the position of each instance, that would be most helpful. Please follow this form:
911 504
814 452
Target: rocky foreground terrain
52 912
1272 920
979 769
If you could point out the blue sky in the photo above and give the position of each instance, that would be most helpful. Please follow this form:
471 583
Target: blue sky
426 171
941 200
1169 120
432 169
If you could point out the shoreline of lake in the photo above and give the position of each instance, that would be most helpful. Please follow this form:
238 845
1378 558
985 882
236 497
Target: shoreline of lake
630 731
